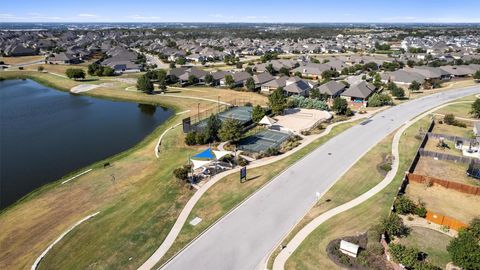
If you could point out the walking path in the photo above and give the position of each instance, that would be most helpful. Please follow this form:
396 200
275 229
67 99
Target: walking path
37 261
199 98
177 227
460 118
157 147
283 256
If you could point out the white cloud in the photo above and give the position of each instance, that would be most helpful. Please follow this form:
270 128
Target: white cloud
142 17
87 15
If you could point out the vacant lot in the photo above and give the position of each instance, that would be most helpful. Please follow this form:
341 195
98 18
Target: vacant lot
453 130
433 243
447 170
447 202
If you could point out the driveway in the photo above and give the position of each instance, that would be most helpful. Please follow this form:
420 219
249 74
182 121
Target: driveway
246 235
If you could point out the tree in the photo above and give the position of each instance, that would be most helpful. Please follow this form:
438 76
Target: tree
249 70
476 76
476 108
378 100
414 86
192 79
329 74
277 101
181 60
181 173
40 68
257 113
270 69
408 257
403 205
229 81
92 69
213 126
161 75
394 226
449 119
340 106
231 130
144 84
209 79
284 71
465 248
108 71
250 84
298 74
398 92
75 73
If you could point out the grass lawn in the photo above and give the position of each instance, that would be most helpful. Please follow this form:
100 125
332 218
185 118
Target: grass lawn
21 59
137 210
453 130
433 243
450 149
447 170
311 254
459 110
229 192
448 202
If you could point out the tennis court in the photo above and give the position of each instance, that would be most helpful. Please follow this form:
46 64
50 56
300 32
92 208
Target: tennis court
263 140
243 114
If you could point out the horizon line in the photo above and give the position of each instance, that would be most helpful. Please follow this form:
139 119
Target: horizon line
172 22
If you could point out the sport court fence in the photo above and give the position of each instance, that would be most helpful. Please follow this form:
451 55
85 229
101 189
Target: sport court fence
199 114
447 157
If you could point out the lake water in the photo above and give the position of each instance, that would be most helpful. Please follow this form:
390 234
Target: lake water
45 133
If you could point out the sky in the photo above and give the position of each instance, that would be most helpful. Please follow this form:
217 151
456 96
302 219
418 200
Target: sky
297 11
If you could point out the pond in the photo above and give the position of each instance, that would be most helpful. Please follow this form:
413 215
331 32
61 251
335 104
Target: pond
45 133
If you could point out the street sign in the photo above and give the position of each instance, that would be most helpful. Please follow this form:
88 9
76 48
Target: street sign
243 174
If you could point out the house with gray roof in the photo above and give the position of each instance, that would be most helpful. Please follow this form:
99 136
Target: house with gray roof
262 78
332 88
359 92
402 77
63 58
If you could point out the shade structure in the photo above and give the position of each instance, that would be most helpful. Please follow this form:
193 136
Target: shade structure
200 163
206 154
220 154
267 121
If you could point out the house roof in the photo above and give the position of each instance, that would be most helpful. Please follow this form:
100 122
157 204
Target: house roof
360 90
332 88
262 78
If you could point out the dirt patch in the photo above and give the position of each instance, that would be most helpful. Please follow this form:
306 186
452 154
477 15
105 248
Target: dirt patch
448 202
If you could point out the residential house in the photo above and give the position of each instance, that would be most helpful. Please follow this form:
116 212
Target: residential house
332 88
359 92
63 58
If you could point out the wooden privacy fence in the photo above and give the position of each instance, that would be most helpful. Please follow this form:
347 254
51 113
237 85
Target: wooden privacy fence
445 221
444 183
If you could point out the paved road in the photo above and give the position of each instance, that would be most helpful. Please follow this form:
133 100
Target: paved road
244 237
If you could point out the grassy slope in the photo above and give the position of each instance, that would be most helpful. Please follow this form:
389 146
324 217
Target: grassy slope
228 193
137 211
311 254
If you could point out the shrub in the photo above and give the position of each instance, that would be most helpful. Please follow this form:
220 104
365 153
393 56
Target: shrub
272 151
420 210
403 205
378 100
40 68
404 255
394 226
181 173
191 138
75 73
241 161
20 68
465 248
308 103
340 106
449 119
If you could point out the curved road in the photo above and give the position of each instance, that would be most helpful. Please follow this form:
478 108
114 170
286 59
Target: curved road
245 236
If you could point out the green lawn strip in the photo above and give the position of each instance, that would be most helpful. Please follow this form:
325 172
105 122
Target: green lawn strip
132 226
433 243
459 110
311 254
228 193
